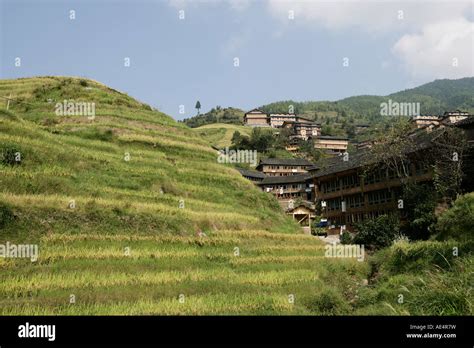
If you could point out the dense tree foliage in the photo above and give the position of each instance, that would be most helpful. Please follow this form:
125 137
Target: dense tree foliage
377 233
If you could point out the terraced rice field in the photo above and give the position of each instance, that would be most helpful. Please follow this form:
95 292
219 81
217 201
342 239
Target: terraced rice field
116 205
220 134
226 272
133 214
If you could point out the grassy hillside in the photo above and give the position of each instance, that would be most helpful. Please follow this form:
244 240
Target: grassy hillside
217 115
111 232
220 134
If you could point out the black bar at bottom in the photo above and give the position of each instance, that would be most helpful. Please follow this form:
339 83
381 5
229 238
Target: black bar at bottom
419 331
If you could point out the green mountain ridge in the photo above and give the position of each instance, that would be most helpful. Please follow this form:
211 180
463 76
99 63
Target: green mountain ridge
435 98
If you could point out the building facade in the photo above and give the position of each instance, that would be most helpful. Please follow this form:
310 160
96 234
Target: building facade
277 120
331 144
350 195
256 118
283 166
289 189
303 130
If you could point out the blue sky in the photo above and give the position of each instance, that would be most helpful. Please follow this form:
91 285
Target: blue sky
178 61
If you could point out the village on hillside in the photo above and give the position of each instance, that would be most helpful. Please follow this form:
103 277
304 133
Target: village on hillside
338 191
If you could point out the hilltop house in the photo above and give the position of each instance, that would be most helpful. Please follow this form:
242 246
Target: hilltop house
331 144
433 121
303 130
256 118
277 120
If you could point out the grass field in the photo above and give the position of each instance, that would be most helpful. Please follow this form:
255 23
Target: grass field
117 205
220 134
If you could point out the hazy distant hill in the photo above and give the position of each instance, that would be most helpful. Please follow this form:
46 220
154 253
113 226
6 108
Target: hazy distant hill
434 98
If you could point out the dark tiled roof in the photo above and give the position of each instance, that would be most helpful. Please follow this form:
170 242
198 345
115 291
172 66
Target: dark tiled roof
362 157
312 168
302 204
304 124
289 179
251 173
284 162
255 110
337 164
304 118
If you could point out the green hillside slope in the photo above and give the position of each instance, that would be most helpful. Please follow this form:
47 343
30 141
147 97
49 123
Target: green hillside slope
220 134
102 197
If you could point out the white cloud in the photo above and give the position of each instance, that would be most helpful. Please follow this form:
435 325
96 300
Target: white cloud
431 33
368 16
431 53
238 5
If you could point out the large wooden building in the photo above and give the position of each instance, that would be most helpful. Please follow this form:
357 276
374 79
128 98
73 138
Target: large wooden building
359 188
256 118
283 166
277 120
432 121
289 188
348 194
331 144
303 130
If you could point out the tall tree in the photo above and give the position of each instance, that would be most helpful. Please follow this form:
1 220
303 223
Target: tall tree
198 106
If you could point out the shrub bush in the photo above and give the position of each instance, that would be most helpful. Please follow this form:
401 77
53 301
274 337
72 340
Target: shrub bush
10 155
458 221
419 206
318 231
329 302
346 238
6 215
377 233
